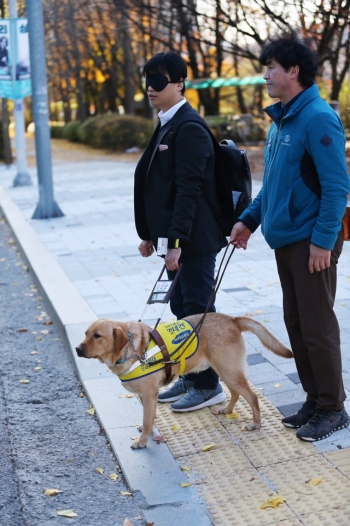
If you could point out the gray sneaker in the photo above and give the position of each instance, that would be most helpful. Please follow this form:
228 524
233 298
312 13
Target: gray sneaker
176 391
198 398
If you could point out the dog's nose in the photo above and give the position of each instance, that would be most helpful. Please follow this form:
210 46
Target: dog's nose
80 351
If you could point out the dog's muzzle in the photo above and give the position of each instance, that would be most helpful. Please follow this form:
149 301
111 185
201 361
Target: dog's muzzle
80 351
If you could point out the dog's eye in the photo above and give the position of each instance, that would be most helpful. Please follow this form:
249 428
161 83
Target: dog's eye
97 336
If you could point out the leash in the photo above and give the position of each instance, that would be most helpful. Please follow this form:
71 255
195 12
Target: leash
168 287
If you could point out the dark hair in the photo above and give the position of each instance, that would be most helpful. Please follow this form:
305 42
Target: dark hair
168 63
289 50
4 38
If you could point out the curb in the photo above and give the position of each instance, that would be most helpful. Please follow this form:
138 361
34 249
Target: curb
151 473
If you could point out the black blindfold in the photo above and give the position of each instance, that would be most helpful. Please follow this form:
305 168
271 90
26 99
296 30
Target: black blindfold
158 81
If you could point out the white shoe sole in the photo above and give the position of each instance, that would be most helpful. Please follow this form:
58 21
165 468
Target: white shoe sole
221 397
172 398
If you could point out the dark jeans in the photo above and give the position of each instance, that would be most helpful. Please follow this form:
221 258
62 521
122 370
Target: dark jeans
191 296
312 326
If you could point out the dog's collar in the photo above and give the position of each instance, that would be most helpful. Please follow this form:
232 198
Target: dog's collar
126 357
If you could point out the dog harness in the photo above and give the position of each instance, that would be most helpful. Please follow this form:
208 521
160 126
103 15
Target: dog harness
170 343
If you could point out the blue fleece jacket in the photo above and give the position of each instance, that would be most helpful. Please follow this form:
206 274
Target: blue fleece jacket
306 182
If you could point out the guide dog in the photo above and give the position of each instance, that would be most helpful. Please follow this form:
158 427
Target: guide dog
122 345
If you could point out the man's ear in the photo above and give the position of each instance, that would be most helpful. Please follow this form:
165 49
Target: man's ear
294 72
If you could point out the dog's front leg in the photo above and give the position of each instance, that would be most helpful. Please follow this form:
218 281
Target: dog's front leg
149 402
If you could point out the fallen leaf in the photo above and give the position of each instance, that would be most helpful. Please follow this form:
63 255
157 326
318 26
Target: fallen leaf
45 332
175 428
276 386
185 484
159 439
100 471
22 330
208 447
273 502
67 513
127 396
51 492
114 476
37 368
34 352
232 415
91 410
186 468
315 482
125 493
24 382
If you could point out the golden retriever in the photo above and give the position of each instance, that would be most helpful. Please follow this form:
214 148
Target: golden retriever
221 346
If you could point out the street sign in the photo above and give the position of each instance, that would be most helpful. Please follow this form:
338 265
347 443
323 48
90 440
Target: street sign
15 81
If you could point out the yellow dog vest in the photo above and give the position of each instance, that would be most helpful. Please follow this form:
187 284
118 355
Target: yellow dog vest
173 334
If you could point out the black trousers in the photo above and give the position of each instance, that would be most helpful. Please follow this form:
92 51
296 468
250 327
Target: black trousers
190 296
312 326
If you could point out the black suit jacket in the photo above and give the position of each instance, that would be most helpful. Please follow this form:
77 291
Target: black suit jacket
170 178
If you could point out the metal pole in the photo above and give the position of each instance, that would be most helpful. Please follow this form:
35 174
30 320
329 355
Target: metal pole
46 207
22 178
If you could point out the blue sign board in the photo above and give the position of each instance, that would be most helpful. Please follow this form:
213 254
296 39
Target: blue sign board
15 82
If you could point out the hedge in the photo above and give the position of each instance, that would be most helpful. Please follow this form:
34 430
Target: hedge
113 132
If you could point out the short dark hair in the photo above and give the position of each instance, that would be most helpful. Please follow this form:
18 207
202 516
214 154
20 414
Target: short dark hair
289 50
168 63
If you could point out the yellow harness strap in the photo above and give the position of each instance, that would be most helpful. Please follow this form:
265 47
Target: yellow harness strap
173 334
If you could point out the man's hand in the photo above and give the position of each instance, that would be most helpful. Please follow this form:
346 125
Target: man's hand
172 258
240 235
146 248
320 258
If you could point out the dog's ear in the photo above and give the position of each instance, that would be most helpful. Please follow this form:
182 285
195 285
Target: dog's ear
120 337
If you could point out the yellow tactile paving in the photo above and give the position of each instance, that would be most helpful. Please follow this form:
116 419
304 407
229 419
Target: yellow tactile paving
330 517
341 460
292 480
246 469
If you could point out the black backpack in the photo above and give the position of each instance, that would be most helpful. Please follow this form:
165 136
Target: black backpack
233 179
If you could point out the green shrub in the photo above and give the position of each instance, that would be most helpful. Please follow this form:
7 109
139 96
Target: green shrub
56 131
116 132
71 131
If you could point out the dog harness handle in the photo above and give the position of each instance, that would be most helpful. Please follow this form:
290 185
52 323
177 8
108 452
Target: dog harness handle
164 350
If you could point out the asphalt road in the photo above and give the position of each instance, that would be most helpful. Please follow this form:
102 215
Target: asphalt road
48 439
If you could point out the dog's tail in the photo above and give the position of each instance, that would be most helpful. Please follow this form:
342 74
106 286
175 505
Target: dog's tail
264 335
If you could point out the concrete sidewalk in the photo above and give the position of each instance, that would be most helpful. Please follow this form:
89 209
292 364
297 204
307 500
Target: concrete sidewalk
88 266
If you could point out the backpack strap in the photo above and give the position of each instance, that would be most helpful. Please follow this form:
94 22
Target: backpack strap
174 129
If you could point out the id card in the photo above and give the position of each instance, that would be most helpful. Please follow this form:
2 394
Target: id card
162 246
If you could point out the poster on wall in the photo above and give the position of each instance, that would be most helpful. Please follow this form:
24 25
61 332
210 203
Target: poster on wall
15 81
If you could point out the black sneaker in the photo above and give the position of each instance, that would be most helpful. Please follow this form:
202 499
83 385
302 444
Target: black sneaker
301 417
323 424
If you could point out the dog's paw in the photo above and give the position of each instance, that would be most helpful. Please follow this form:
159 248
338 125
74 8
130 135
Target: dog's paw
222 411
252 426
138 444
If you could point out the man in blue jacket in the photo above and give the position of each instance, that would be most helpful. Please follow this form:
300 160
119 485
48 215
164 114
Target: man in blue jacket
300 208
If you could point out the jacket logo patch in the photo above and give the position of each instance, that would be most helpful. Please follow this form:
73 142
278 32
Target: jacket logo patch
287 138
325 140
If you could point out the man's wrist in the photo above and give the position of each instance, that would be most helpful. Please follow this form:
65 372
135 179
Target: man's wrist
173 243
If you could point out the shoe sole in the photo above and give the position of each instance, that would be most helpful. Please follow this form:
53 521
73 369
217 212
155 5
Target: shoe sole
172 398
311 439
292 426
212 401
